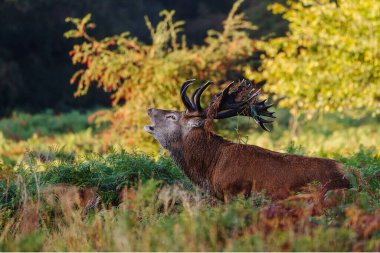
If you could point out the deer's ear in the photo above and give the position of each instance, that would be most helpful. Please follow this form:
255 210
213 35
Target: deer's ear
195 122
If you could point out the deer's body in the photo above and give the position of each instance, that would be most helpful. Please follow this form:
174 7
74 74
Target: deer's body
225 169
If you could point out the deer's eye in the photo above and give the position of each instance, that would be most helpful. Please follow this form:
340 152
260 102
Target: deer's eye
171 117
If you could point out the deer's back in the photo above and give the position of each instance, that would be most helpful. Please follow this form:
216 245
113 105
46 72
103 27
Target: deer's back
241 167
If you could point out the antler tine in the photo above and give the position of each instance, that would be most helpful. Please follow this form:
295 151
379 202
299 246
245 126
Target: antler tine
268 114
261 109
262 102
192 99
198 94
226 114
186 83
254 95
261 122
262 126
184 97
259 119
241 101
235 109
263 106
246 101
226 90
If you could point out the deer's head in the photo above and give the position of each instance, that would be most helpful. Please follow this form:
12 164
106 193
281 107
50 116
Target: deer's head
170 126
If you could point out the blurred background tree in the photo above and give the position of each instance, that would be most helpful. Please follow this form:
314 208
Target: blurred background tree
141 75
329 59
318 56
35 67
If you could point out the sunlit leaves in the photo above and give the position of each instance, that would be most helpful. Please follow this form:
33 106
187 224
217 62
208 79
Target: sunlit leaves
141 75
330 58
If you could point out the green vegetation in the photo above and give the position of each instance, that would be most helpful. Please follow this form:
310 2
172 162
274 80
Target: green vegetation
35 75
21 126
325 137
109 174
329 134
95 181
67 207
142 76
57 198
330 66
23 132
330 58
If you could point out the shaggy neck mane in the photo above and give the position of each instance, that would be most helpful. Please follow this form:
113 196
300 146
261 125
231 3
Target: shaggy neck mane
197 155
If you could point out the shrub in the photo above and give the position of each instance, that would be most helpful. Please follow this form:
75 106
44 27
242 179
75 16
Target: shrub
329 59
140 76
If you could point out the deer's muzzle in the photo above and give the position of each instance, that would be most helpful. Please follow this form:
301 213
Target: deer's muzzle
150 128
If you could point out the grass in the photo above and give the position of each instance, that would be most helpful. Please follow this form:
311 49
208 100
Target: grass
84 197
325 137
147 205
22 126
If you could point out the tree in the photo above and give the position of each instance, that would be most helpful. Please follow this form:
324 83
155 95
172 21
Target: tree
330 58
141 75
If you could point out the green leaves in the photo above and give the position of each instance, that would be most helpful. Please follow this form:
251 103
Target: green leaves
330 58
81 26
165 35
139 76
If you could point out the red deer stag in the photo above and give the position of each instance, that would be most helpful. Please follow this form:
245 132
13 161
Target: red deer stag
225 168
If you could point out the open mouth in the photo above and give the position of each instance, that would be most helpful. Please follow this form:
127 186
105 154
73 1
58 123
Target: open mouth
149 129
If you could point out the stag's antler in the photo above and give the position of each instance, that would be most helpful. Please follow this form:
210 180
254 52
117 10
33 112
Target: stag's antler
193 104
240 99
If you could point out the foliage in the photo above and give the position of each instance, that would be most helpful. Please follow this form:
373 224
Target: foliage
21 126
74 199
368 163
65 187
158 216
109 173
322 137
34 66
328 135
329 60
268 24
149 75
